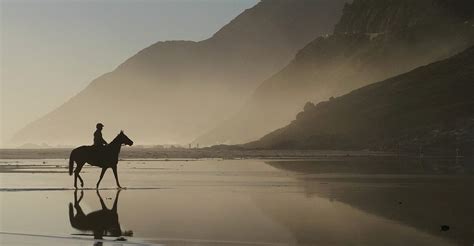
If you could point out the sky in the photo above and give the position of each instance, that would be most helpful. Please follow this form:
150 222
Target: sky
51 49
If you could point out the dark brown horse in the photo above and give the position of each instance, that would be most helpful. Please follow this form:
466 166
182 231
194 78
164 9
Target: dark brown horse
104 157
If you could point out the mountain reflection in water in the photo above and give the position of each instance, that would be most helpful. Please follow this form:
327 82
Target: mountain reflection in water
424 194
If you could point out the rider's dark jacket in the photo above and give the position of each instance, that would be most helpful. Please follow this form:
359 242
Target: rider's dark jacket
98 139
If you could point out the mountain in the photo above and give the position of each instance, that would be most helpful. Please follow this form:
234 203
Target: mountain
431 106
374 40
173 91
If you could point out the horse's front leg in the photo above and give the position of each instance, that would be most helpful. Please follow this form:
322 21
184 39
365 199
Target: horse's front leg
114 168
101 176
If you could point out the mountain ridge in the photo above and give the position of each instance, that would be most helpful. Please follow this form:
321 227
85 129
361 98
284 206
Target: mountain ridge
172 91
350 58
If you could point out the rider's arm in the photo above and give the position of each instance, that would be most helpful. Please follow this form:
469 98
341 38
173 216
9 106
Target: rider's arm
103 140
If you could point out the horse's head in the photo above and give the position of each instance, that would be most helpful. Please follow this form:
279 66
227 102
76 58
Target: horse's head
123 139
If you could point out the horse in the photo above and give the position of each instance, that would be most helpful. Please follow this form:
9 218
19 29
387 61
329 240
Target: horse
104 157
101 222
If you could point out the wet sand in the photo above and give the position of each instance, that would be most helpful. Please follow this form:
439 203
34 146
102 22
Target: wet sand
324 201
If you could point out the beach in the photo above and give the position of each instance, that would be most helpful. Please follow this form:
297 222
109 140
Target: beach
300 201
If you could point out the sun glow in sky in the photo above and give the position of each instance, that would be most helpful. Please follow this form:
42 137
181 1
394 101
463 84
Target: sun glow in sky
51 49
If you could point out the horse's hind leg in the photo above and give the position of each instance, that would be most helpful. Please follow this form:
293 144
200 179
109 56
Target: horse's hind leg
80 179
77 175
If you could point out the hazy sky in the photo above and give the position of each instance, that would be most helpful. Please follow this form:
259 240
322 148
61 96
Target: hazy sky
51 49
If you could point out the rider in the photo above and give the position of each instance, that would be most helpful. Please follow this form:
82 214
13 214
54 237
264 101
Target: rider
98 139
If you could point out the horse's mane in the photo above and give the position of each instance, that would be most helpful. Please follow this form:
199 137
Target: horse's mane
116 138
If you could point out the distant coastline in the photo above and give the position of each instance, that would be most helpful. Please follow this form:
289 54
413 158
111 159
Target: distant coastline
211 153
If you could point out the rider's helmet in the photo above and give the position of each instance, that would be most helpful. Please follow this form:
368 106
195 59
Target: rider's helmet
99 126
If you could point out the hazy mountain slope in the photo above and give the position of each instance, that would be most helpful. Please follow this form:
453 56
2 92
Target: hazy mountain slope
173 91
374 40
431 106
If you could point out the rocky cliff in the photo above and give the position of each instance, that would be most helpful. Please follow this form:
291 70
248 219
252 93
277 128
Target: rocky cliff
374 40
431 106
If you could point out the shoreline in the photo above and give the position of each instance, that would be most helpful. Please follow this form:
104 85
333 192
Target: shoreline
211 153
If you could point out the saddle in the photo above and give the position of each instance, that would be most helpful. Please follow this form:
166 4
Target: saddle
99 152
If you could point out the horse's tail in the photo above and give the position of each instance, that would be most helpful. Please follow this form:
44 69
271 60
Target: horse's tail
71 163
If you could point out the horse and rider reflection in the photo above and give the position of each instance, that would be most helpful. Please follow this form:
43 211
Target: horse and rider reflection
103 222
